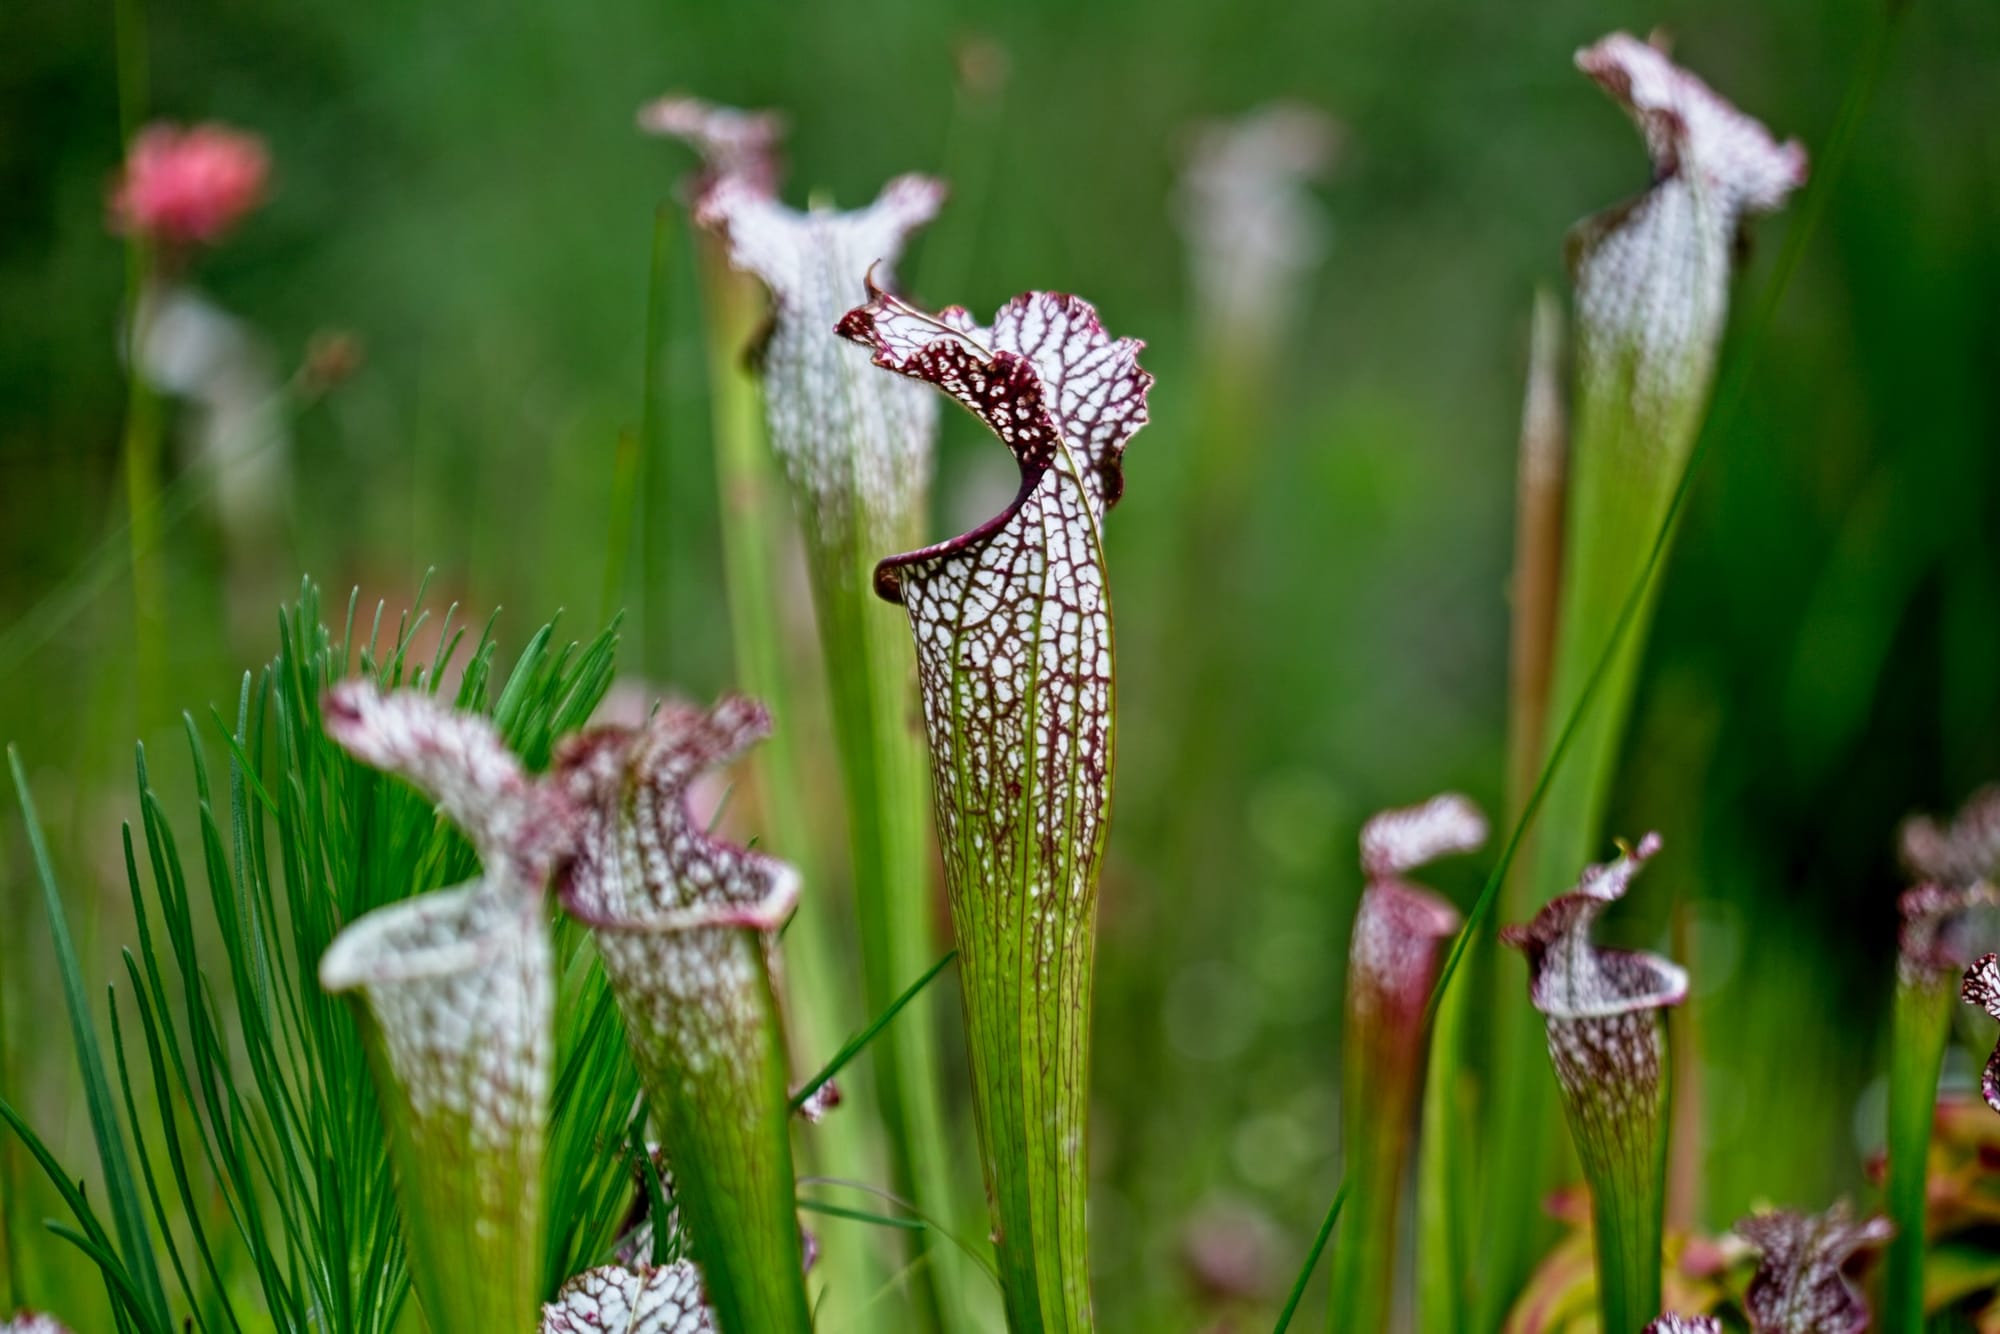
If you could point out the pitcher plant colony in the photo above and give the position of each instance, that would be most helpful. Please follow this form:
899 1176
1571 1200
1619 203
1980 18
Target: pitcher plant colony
466 1001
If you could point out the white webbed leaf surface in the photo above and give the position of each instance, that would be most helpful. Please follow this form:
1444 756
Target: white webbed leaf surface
1800 1286
1014 654
459 988
1685 1324
1652 276
1012 620
617 1300
856 445
684 922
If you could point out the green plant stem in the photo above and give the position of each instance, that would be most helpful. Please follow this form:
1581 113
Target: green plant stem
141 451
1921 1031
884 763
733 1161
1624 482
12 1293
819 1009
144 414
1444 1195
1614 1076
1379 1106
627 481
649 469
1542 477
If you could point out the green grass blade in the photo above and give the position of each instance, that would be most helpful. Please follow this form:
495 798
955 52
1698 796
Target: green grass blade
115 1278
127 1212
855 1045
1919 1035
1312 1261
861 1215
146 1172
981 1258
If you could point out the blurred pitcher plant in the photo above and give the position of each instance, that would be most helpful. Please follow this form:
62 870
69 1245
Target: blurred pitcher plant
1652 279
1949 918
458 987
1397 942
686 925
855 449
1608 1047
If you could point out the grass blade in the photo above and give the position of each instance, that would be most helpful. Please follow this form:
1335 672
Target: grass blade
855 1045
127 1211
1312 1262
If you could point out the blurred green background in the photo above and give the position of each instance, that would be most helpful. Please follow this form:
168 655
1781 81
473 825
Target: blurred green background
461 189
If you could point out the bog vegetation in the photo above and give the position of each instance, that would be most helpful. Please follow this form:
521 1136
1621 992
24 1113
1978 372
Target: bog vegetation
469 988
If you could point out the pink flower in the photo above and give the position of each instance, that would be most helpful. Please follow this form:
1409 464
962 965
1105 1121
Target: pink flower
189 186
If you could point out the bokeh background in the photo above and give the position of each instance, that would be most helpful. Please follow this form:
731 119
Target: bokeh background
461 193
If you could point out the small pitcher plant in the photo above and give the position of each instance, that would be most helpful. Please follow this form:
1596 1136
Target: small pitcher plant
1608 1046
1392 964
1801 1285
459 990
685 924
458 987
666 1299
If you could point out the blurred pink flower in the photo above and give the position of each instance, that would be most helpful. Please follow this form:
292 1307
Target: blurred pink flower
189 186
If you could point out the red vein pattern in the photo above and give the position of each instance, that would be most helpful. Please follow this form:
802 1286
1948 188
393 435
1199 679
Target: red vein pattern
1800 1286
1981 987
1014 650
1609 1051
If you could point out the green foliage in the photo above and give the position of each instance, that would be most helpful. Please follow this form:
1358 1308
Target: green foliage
245 1088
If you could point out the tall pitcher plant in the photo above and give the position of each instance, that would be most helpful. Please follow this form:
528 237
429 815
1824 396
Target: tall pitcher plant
1014 651
855 448
1652 280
